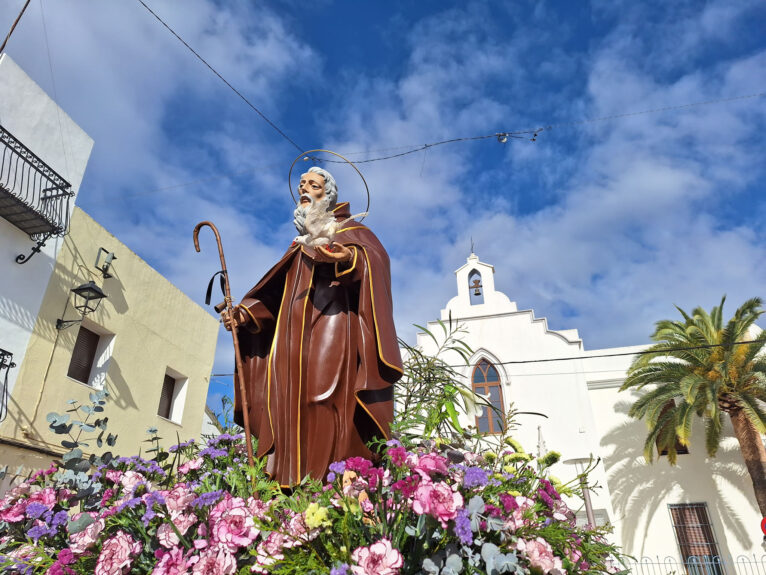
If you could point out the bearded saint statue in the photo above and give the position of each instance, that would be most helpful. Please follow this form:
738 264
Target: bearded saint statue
318 347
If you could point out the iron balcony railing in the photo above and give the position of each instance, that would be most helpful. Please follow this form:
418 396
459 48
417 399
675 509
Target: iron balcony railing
33 197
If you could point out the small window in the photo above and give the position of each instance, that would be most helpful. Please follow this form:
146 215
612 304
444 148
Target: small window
172 396
166 397
83 355
486 381
680 448
696 540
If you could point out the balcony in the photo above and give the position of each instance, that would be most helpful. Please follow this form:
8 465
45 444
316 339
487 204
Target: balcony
33 197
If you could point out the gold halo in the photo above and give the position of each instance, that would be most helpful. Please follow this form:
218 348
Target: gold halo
303 155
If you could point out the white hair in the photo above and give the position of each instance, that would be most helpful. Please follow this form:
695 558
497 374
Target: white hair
330 187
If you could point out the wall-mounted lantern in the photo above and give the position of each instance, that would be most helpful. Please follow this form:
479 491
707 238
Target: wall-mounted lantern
104 266
87 298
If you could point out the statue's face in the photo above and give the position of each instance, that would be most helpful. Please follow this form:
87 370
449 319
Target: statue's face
311 184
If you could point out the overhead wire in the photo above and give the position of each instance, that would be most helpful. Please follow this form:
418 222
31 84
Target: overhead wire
603 355
501 136
518 134
224 80
55 94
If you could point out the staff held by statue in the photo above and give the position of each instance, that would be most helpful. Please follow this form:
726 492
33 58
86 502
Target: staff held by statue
224 278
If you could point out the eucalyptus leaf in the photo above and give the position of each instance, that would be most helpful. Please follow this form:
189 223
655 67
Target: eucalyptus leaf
75 453
80 524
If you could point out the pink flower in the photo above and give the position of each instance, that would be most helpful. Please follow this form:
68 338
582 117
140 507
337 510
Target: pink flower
114 475
82 541
131 479
15 512
431 463
235 529
46 496
167 535
117 554
398 456
179 498
539 554
380 558
170 562
269 551
437 500
257 507
214 561
359 464
189 465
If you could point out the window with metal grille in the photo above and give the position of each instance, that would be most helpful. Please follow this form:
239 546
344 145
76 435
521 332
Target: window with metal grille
680 448
486 381
696 539
166 397
83 355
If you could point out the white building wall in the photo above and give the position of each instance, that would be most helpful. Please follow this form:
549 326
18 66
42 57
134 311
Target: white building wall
28 113
587 416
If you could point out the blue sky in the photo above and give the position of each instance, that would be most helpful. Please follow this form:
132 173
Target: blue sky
598 226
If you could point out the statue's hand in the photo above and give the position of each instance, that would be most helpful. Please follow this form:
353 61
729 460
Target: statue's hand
237 318
340 254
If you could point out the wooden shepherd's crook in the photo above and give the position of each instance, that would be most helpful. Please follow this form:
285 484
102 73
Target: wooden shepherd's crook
237 358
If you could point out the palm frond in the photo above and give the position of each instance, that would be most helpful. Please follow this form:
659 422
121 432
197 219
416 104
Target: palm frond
713 427
755 414
684 418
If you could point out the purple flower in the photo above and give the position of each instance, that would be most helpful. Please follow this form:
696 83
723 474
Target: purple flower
393 443
339 570
463 527
174 448
130 503
213 452
59 519
545 498
207 499
35 509
330 477
41 530
223 437
475 477
338 467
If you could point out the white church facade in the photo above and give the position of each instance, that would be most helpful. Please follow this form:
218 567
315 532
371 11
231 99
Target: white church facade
702 509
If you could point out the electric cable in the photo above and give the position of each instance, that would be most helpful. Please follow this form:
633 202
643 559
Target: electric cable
572 358
224 80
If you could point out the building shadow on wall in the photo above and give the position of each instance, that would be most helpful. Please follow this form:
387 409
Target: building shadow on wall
120 394
639 488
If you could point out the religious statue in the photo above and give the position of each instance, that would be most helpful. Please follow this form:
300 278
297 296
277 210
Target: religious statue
317 343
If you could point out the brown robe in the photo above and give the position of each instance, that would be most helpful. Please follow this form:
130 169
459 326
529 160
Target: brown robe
320 356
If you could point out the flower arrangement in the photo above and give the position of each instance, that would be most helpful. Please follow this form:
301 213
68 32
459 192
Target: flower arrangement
429 509
439 500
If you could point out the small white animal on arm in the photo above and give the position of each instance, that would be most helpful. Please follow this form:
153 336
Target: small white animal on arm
320 223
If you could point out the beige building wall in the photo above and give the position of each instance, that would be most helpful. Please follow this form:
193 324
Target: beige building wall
148 328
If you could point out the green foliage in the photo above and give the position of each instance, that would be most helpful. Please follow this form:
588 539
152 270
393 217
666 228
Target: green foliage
74 473
430 397
699 367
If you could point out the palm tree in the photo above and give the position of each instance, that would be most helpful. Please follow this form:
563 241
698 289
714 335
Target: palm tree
699 366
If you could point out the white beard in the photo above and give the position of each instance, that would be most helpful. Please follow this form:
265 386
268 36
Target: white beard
299 218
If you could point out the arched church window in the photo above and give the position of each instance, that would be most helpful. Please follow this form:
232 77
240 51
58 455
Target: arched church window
486 381
475 289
